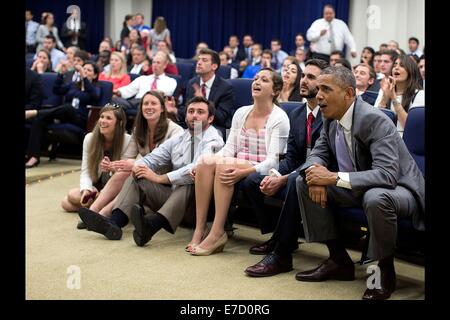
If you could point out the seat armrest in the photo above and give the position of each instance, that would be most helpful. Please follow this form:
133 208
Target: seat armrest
94 114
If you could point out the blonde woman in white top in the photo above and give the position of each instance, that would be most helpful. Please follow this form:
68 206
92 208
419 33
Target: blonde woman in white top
402 91
258 135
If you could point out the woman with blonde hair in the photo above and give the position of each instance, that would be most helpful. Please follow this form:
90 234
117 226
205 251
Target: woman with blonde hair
108 142
117 73
159 33
258 135
151 128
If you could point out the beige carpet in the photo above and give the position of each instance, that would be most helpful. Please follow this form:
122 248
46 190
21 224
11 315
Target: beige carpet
162 270
49 170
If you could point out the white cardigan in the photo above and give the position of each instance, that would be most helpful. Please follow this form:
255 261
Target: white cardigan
85 180
277 133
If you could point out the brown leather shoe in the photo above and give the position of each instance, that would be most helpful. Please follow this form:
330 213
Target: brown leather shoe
263 248
328 270
271 265
387 283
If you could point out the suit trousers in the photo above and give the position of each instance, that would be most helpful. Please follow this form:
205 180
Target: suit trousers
255 198
132 103
172 203
382 207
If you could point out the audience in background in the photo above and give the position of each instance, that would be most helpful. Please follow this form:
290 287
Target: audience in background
413 46
343 62
200 46
117 73
48 28
212 87
226 61
55 54
77 95
158 33
335 56
68 63
127 26
367 56
365 76
299 43
73 31
377 64
31 28
143 29
300 55
329 34
402 91
421 66
278 55
137 59
265 62
291 75
43 62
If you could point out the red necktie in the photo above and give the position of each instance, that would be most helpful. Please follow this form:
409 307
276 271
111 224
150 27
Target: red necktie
204 90
154 85
309 125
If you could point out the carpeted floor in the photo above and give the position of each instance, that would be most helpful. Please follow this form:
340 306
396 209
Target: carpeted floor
162 270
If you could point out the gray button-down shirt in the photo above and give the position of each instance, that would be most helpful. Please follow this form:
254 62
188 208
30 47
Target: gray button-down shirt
31 30
177 151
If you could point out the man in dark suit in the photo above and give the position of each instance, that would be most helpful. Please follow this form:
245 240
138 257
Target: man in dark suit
257 186
33 90
238 54
213 88
359 160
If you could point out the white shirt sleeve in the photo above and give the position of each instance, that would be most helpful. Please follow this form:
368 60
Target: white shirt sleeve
85 179
344 180
131 89
313 33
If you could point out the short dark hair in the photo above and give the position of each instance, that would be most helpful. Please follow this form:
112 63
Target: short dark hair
344 76
328 6
414 38
215 58
319 63
276 40
339 52
52 37
392 54
422 57
377 53
299 34
345 63
267 51
199 99
83 55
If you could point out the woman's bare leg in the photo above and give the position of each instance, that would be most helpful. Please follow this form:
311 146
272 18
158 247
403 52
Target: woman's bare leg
71 202
222 198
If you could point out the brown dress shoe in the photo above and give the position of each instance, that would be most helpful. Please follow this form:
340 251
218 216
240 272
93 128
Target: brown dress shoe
328 270
271 265
387 283
263 248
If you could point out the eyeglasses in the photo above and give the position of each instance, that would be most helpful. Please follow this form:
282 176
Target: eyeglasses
113 105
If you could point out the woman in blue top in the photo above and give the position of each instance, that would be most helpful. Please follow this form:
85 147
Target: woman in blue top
77 95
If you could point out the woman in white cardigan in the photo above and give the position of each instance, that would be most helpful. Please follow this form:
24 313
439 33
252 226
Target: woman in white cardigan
106 143
258 135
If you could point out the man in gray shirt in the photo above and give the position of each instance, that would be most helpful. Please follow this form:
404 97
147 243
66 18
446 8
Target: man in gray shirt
169 196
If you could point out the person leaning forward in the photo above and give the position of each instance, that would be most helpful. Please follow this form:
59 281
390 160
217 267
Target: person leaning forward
359 160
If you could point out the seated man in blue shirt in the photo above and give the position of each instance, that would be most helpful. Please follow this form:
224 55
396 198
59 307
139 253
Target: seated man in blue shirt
169 196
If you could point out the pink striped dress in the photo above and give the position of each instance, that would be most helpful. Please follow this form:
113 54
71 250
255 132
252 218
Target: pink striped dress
252 145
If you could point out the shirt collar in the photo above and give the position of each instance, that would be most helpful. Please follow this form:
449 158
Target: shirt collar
347 118
315 111
208 83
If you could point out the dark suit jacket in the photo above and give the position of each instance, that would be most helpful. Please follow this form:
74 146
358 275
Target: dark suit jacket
296 147
141 72
66 39
375 86
240 55
33 90
221 94
381 158
370 97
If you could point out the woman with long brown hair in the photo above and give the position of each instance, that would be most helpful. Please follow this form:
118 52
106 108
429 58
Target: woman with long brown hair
158 33
402 90
108 142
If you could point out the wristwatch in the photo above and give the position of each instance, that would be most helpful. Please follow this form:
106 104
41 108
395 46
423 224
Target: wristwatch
337 179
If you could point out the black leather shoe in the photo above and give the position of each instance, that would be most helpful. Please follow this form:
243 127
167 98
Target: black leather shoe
263 248
143 231
100 224
81 225
271 265
387 283
328 270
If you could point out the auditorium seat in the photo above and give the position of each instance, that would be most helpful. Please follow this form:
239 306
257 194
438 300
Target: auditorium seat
186 71
224 72
390 114
242 92
133 76
288 106
69 134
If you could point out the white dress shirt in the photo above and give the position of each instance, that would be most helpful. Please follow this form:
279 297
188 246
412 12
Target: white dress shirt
341 33
136 68
208 85
142 84
177 151
346 123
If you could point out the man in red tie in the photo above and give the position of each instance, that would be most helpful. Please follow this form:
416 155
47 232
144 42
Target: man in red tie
130 95
306 123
